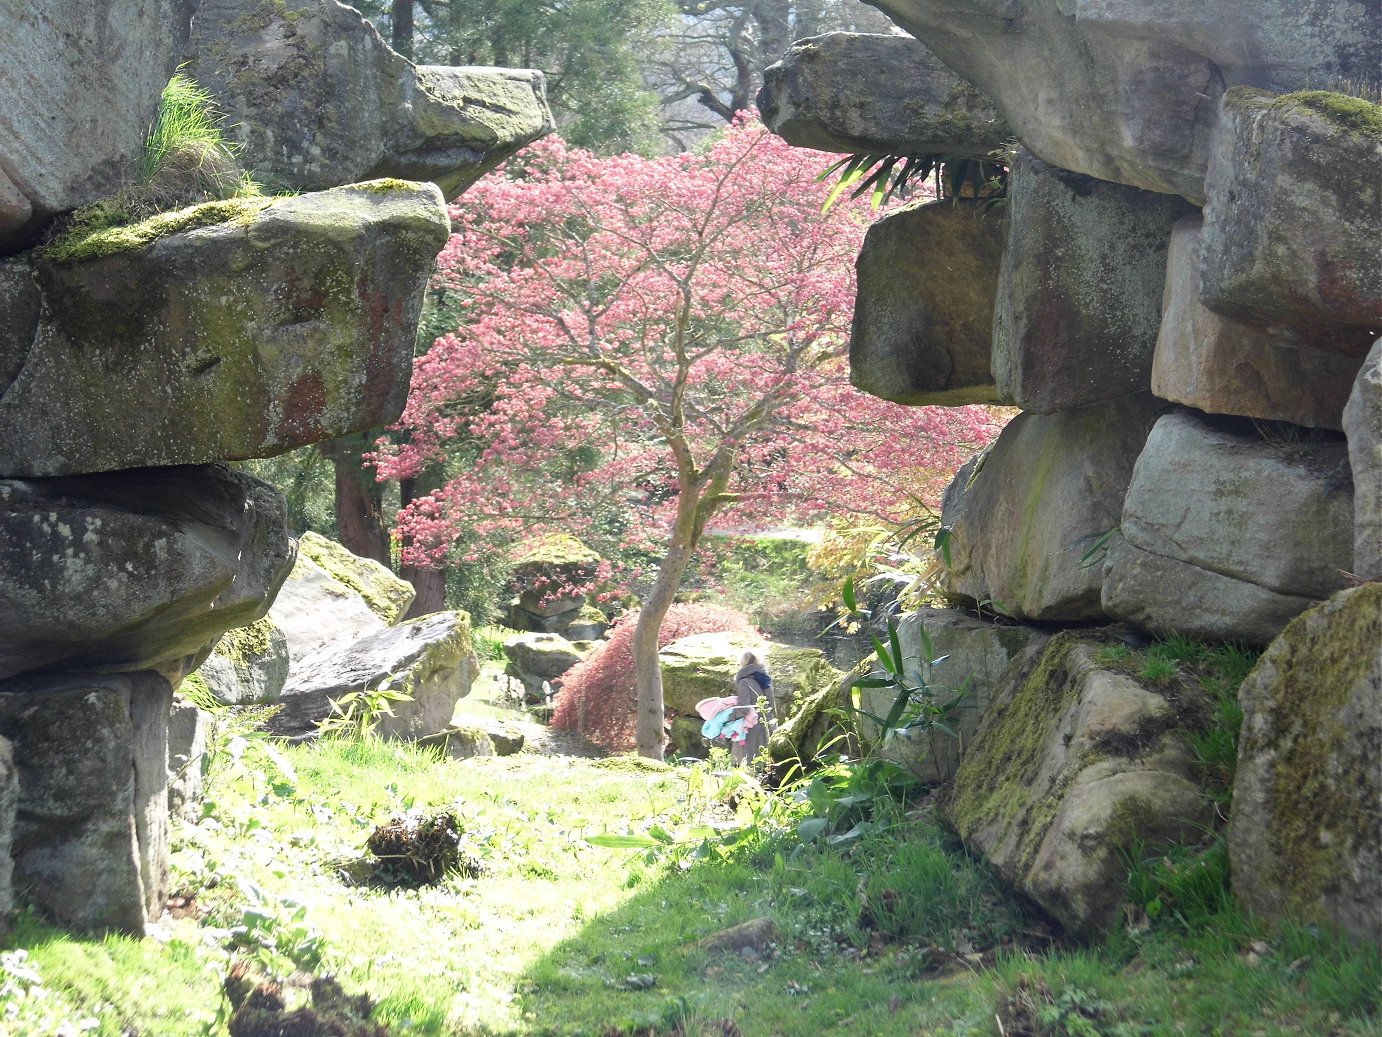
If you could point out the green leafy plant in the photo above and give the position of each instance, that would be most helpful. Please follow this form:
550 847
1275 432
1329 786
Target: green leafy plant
916 704
884 177
274 932
358 714
1095 546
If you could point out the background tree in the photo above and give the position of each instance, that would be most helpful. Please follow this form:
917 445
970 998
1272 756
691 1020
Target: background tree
715 53
591 52
647 345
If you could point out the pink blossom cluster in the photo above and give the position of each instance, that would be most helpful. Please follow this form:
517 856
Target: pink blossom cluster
625 320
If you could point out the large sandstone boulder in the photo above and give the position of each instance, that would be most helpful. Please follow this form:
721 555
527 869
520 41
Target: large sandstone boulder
1126 91
1223 365
91 839
134 570
1305 838
1023 514
1079 294
226 331
1294 209
248 665
1226 535
971 658
80 83
538 660
430 660
314 610
544 656
923 316
1363 427
318 99
385 594
189 733
1074 765
886 95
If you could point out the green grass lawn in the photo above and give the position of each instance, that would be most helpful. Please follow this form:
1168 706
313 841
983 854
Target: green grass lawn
897 933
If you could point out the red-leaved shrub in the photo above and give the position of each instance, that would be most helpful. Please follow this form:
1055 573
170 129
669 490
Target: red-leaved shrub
599 694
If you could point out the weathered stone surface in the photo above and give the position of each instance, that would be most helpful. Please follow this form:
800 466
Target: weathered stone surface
461 742
885 95
1305 837
704 665
476 738
1079 294
975 654
1363 428
104 65
545 606
1294 209
1229 536
1022 513
544 656
9 806
284 323
188 732
923 316
1222 365
1128 92
431 660
587 623
315 610
134 570
1073 764
248 665
582 622
91 839
387 596
318 99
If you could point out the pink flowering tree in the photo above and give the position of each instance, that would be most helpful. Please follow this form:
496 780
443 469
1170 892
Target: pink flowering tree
646 346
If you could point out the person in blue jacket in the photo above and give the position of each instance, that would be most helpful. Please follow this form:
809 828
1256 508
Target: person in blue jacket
753 687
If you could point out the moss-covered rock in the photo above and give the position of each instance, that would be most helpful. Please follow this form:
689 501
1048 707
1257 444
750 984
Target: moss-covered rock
462 742
975 656
1305 839
230 330
387 596
248 665
1072 765
542 656
876 94
704 665
1294 210
431 662
1022 513
316 98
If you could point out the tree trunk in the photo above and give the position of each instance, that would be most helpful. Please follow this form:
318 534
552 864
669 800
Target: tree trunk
359 497
647 669
402 23
697 500
429 583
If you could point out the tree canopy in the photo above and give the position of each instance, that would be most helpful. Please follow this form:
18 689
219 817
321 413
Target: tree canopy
647 345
